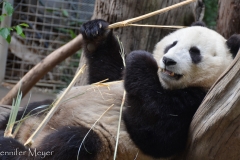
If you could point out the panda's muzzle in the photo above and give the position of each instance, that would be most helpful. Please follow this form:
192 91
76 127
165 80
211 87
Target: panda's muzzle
168 62
170 74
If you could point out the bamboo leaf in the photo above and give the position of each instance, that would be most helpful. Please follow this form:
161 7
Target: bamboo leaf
13 114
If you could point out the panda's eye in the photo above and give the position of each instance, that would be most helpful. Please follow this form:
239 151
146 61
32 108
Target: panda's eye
195 54
170 46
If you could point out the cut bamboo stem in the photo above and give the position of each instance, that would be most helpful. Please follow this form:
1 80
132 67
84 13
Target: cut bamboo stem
136 19
119 125
156 26
53 109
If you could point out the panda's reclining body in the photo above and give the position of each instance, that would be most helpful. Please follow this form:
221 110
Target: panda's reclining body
163 92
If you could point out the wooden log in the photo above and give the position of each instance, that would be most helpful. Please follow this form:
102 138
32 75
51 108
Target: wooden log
215 129
228 22
37 72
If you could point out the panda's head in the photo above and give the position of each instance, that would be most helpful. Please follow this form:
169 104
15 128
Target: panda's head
193 56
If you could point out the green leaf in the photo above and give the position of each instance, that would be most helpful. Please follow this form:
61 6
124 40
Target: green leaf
4 32
8 39
2 17
73 35
51 10
65 13
11 28
22 35
8 8
19 30
24 25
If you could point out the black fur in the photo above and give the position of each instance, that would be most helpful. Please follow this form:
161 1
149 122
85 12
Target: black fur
65 144
10 149
102 52
233 44
170 46
156 119
195 55
61 145
168 61
199 23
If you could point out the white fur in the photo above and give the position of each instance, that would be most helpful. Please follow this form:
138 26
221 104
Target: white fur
215 57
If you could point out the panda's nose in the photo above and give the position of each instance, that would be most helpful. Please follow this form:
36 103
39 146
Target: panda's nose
168 61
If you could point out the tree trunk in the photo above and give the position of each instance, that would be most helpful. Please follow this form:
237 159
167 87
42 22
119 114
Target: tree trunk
215 129
140 38
134 38
228 17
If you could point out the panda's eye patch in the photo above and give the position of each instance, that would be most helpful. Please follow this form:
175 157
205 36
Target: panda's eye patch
195 55
170 46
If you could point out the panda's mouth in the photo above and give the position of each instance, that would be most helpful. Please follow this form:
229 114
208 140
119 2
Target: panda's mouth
170 74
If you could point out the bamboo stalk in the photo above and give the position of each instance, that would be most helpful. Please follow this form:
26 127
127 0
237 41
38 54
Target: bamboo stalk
122 53
119 125
156 26
136 19
13 113
53 109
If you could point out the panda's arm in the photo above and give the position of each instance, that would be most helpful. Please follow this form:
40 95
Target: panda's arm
102 51
156 119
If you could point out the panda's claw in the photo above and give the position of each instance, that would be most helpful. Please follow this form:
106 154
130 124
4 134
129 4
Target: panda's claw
100 25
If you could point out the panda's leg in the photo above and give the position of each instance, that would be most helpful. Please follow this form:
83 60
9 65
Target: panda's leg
62 145
102 51
11 149
157 119
65 143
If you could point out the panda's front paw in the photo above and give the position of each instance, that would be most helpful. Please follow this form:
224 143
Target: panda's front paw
140 59
141 70
94 28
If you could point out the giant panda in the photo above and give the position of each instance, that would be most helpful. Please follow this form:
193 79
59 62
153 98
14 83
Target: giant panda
163 91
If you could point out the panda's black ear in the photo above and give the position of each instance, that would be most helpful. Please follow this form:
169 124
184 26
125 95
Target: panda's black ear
198 23
233 44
